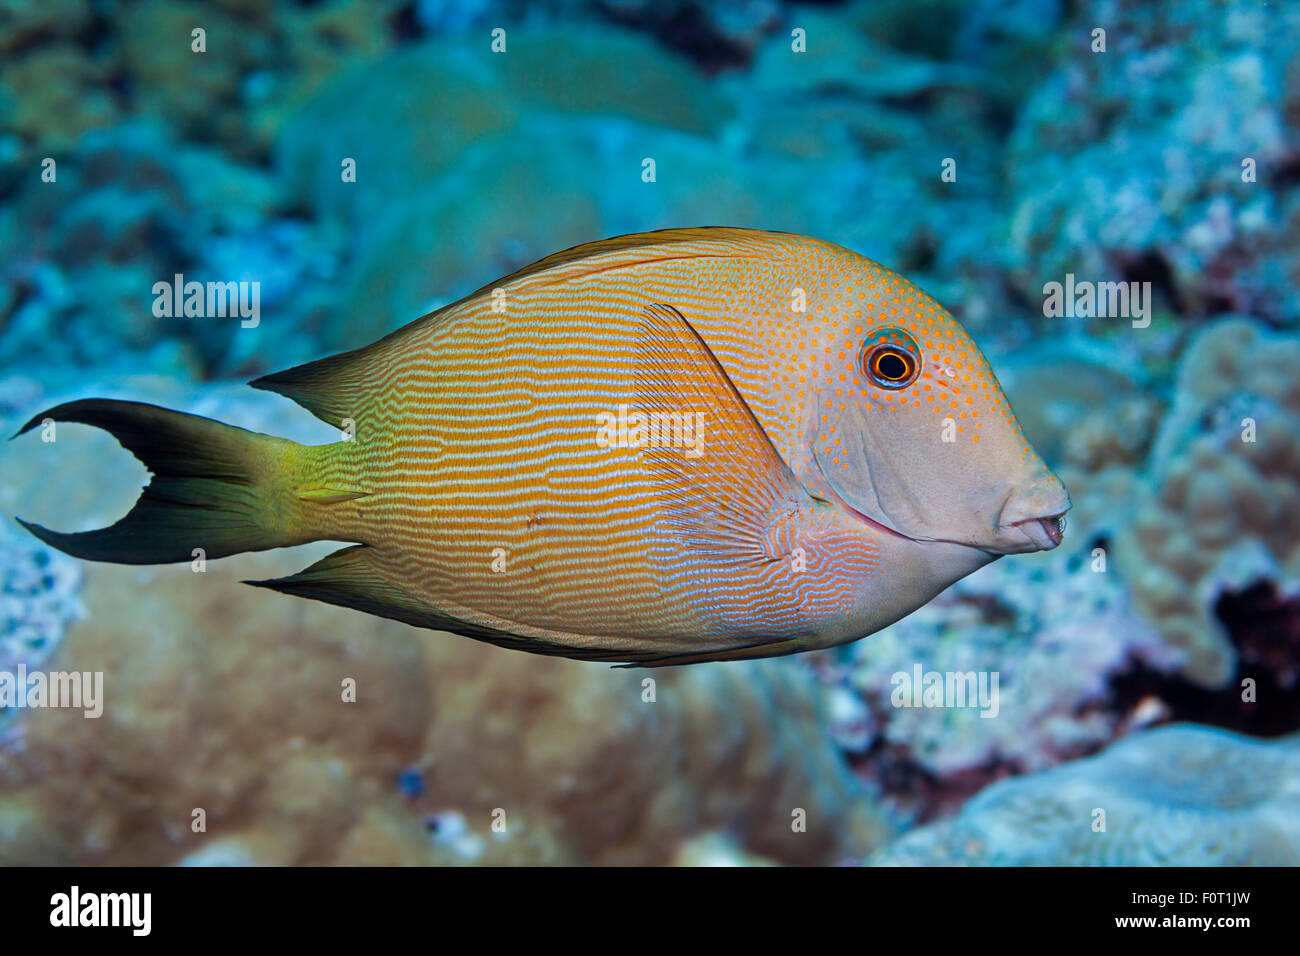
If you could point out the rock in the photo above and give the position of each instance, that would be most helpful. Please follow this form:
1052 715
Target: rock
1175 796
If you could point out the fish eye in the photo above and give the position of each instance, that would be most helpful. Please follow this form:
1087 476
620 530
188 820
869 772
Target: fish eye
891 359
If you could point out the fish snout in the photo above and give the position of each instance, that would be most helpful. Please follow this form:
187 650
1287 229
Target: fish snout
1033 518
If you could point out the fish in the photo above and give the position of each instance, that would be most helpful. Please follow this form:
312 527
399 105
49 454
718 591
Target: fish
663 448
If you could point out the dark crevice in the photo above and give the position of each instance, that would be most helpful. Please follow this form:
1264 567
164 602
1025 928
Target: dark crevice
920 253
1286 174
1264 627
404 24
687 31
1151 266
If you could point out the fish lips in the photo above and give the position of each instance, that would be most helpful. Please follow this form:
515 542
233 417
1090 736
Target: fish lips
1031 534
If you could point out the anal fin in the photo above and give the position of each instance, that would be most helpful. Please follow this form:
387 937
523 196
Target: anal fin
349 578
765 647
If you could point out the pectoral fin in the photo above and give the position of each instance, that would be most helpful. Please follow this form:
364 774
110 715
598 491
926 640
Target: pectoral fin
727 502
728 490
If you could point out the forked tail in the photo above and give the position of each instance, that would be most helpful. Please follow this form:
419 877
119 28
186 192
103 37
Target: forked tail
215 487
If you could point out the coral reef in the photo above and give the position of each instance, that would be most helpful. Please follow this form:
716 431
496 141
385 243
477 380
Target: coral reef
1174 796
1085 198
133 208
1080 408
1219 506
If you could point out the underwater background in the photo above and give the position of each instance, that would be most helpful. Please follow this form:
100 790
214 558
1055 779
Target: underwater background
366 163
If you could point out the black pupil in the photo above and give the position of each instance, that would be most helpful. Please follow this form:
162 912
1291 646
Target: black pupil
891 366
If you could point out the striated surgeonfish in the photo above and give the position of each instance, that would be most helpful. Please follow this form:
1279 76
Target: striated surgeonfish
678 446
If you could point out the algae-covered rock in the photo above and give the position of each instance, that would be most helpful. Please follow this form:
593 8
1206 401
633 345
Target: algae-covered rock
27 22
54 94
403 120
600 72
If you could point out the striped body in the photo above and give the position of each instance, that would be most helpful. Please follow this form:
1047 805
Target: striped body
491 499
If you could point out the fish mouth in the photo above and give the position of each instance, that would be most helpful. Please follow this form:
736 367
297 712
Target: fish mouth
1044 533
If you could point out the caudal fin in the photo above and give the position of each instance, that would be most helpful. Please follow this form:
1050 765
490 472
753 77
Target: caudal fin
215 487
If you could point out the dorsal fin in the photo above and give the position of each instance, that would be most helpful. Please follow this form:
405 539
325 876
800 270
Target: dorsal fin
330 388
337 387
743 240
